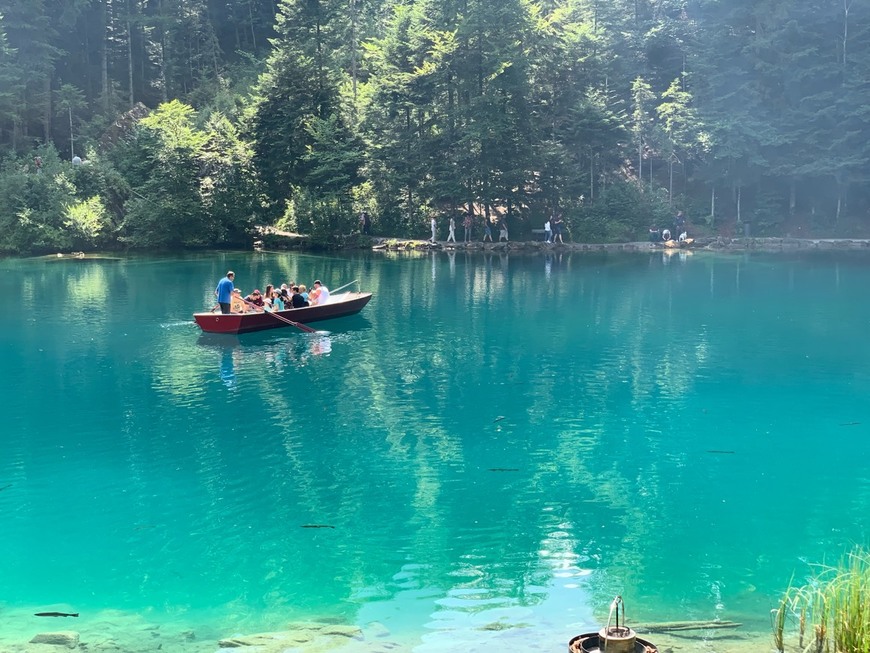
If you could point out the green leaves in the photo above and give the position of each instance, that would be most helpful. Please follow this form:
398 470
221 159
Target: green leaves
189 186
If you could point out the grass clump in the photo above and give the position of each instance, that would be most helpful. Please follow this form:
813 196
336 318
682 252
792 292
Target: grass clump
834 605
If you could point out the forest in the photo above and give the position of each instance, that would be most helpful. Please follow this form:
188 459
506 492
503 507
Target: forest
166 124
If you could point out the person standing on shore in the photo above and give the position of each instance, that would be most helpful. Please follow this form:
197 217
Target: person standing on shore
224 291
558 225
467 223
434 226
679 223
548 231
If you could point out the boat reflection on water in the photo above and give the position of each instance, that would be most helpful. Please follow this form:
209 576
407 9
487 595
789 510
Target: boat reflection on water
228 368
275 353
321 344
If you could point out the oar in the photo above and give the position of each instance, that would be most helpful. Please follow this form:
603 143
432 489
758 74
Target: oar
298 325
331 292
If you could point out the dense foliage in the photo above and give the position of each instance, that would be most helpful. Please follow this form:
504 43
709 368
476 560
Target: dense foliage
196 119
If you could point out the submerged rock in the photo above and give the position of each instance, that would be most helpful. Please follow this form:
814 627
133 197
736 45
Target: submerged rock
67 638
297 633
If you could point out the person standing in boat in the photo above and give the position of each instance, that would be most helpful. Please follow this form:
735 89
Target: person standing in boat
224 291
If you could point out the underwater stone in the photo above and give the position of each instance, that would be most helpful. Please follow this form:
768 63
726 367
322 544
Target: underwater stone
67 638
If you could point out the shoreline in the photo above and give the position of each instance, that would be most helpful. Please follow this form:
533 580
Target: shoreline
123 632
715 244
281 243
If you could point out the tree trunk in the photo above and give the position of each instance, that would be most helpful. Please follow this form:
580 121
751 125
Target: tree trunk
591 176
713 206
640 162
162 66
131 98
72 149
847 4
104 55
46 116
353 53
251 19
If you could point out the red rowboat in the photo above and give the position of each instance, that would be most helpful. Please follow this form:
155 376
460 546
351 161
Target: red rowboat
339 305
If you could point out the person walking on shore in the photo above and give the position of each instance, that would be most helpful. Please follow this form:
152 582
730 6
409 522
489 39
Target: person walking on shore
224 291
487 230
466 224
451 235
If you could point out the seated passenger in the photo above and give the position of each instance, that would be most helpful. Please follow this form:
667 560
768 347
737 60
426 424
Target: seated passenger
303 291
322 293
255 300
297 300
237 304
268 296
283 299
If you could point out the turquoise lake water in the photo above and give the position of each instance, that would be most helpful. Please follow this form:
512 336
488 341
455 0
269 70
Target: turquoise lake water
494 439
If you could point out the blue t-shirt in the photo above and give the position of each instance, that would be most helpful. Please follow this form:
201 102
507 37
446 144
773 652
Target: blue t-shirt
224 291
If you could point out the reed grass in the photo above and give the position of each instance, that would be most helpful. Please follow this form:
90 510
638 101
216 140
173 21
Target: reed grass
778 622
835 604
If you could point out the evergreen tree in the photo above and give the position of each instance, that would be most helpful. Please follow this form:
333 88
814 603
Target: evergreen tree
299 86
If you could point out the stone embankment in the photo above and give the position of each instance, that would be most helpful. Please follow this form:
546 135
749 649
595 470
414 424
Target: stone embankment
715 244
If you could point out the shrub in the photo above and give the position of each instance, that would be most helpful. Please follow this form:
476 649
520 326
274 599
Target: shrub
620 213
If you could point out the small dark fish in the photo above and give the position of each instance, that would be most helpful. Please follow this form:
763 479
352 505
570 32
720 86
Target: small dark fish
498 419
56 614
844 424
503 469
317 526
718 451
5 487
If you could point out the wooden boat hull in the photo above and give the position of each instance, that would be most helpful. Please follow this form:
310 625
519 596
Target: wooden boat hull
339 306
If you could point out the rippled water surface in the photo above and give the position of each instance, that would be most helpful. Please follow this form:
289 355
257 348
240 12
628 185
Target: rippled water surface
493 442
